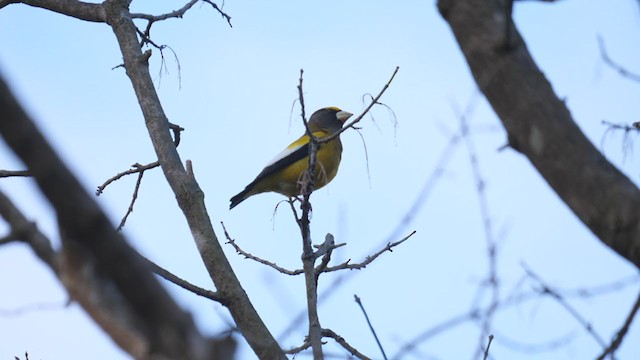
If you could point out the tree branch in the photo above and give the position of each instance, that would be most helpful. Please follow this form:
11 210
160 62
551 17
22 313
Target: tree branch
369 259
74 8
189 196
165 274
114 272
373 331
340 340
257 259
612 64
547 290
375 100
540 126
14 173
617 341
23 229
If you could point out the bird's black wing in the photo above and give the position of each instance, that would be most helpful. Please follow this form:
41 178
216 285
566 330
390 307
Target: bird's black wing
291 158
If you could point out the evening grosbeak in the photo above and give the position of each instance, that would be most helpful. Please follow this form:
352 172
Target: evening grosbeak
284 173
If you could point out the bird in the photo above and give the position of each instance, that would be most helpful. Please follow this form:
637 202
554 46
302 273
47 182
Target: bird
284 173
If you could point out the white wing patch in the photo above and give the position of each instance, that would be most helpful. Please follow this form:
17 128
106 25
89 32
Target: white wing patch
284 154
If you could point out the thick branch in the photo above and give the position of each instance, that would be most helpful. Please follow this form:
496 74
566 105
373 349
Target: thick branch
188 194
89 239
77 9
540 126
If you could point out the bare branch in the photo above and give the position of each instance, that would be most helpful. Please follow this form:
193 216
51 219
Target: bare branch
134 197
90 240
326 247
14 173
23 229
219 10
374 101
368 259
627 130
188 193
30 308
486 351
325 250
151 19
480 187
506 303
540 126
535 348
373 331
74 8
547 290
137 168
410 214
617 340
173 14
340 340
308 258
615 66
165 274
257 259
298 349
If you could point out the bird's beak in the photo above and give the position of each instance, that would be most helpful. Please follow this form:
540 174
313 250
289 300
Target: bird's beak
343 115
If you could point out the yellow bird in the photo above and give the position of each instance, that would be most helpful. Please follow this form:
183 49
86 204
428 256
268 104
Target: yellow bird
284 173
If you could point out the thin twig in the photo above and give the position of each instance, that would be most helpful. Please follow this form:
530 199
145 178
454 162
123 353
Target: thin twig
14 173
134 197
136 168
374 101
257 259
219 10
173 14
597 290
627 139
179 13
503 304
547 290
617 340
615 66
31 308
480 187
625 127
370 258
165 274
340 340
325 250
373 331
298 349
486 351
535 348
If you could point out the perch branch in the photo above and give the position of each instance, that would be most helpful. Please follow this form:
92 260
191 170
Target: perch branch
368 259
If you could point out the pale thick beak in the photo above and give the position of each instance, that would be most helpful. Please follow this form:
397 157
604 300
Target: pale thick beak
343 115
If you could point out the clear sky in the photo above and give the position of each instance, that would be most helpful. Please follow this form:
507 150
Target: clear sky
233 93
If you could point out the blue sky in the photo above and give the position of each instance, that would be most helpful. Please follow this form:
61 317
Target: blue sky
234 94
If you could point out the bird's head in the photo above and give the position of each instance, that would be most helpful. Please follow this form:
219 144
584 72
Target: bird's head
329 119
